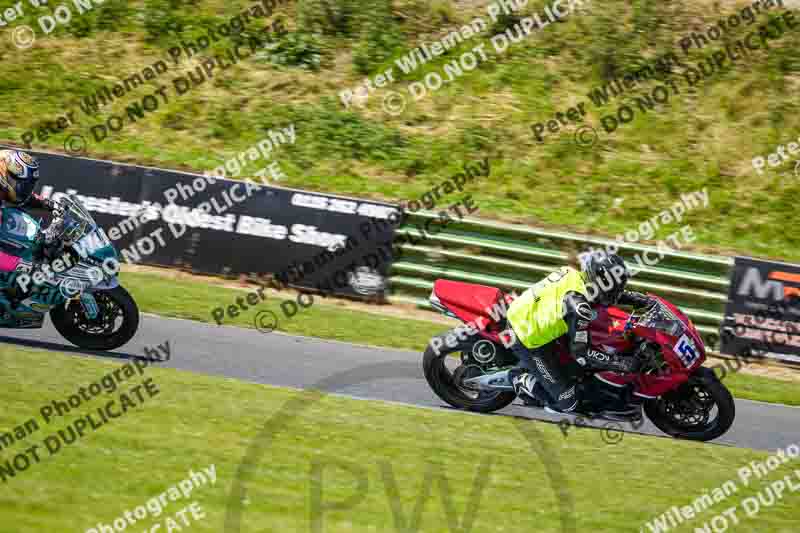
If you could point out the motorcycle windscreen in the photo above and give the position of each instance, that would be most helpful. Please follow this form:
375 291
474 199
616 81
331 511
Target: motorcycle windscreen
661 318
17 229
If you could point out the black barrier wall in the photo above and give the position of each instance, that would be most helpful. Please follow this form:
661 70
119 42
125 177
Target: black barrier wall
305 239
762 317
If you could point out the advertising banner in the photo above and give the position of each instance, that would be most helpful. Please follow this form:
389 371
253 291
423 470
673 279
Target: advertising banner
217 226
762 317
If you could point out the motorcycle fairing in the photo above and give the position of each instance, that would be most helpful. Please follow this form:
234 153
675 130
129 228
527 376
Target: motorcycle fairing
608 329
681 343
18 232
470 302
645 385
668 327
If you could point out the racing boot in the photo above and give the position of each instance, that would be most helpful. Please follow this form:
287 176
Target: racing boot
527 388
571 394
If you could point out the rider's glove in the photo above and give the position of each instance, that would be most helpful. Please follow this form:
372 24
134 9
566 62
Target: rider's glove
637 300
37 202
630 364
52 250
48 204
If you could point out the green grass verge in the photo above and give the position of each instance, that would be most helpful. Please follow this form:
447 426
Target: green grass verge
325 319
750 387
195 421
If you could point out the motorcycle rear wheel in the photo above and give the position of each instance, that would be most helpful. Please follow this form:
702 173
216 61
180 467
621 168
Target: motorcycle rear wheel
685 412
115 325
442 382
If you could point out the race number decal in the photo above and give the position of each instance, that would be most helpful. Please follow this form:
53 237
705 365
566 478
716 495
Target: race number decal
687 351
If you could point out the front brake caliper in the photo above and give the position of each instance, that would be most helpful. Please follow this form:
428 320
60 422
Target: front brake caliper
89 305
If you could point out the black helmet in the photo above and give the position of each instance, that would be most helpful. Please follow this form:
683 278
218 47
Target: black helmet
608 274
20 172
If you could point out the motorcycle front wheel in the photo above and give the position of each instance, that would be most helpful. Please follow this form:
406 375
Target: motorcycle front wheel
701 409
115 324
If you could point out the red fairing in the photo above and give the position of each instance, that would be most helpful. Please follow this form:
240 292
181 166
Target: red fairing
473 303
607 329
485 308
647 385
468 301
606 333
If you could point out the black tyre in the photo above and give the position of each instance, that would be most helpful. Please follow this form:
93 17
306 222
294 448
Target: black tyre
114 326
702 409
443 381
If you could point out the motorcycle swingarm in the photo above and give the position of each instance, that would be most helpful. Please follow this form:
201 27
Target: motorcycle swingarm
494 381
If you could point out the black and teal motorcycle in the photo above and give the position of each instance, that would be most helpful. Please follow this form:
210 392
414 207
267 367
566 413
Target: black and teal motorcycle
78 283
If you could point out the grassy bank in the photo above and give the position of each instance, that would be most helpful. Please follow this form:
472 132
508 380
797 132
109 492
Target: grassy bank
705 135
375 456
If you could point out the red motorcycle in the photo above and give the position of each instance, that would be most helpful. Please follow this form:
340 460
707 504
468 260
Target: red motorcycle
468 366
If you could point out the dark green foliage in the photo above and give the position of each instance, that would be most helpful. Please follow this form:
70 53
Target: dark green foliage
622 33
478 138
331 17
504 21
297 49
329 129
225 126
352 136
370 22
375 47
380 37
109 16
160 19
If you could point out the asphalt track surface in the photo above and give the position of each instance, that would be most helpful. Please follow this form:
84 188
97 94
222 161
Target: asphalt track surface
359 371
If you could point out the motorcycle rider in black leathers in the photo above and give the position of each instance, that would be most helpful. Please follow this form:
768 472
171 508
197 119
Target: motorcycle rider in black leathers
560 306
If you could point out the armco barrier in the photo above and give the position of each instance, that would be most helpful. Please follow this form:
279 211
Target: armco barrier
513 257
